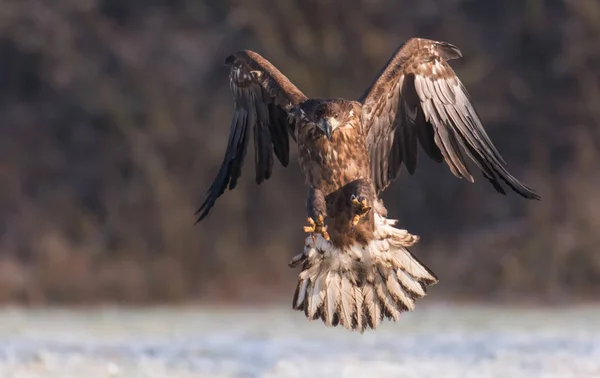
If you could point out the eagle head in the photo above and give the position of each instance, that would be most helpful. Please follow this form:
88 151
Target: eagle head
330 115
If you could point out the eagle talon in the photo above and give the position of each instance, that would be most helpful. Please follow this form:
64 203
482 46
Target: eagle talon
361 208
317 227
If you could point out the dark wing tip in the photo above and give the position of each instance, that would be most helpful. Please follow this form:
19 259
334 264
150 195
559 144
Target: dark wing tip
522 189
526 193
203 210
517 186
530 194
448 51
216 190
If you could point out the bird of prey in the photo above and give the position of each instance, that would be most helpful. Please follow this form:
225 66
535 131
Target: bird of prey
356 266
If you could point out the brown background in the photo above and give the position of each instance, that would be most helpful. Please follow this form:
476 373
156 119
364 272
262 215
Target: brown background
114 118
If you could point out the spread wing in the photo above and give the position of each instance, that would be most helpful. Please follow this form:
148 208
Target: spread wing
418 98
262 98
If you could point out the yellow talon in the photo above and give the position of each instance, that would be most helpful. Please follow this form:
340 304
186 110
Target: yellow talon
311 225
317 227
361 209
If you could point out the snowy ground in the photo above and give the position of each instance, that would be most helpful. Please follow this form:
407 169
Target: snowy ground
434 341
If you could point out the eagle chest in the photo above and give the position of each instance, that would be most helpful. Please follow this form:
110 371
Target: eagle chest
329 165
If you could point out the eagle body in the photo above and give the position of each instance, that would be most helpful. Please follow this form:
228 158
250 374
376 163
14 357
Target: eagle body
356 265
331 165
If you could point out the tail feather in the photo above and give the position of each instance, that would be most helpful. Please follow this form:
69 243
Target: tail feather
358 308
409 264
308 298
372 307
316 298
347 303
332 298
300 294
408 283
391 308
357 286
401 296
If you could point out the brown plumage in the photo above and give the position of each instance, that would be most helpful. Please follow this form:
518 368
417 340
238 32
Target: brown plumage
356 265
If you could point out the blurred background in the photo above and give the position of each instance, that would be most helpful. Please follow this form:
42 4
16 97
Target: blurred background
115 117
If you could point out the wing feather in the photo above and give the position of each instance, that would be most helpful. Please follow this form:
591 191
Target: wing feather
418 97
262 101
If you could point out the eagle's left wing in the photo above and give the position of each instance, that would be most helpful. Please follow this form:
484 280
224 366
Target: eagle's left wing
418 97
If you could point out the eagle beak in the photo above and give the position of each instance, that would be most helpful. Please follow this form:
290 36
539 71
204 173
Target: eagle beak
328 131
328 125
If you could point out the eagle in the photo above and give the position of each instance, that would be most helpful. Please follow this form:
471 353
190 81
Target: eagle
356 265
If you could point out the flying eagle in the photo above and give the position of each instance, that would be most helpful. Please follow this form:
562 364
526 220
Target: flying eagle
356 266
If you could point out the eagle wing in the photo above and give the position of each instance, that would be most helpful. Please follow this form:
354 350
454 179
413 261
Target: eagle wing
263 98
418 97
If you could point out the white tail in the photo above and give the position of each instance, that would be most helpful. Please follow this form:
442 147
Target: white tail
358 286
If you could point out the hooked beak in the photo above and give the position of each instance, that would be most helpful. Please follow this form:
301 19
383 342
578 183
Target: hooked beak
327 126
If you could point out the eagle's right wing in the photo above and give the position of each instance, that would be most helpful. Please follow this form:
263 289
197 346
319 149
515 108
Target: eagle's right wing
263 98
418 97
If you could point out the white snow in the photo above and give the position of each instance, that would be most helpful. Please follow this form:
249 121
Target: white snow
433 341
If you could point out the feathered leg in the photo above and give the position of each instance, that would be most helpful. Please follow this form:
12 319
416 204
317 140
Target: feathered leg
316 208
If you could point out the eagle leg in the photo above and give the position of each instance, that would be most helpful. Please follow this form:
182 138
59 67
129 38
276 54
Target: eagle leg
317 210
361 208
361 191
317 227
